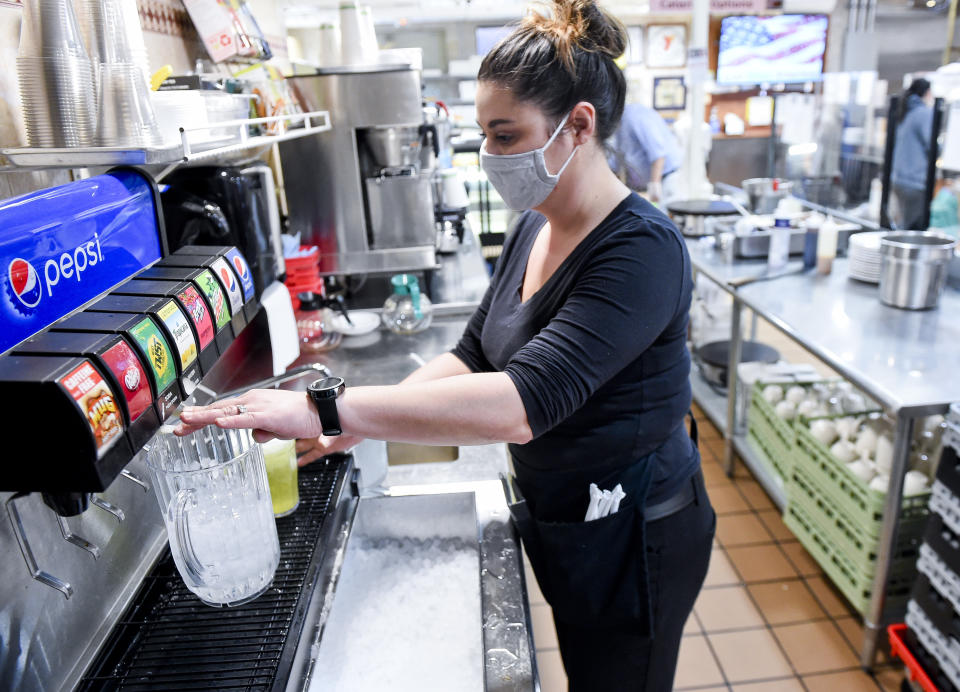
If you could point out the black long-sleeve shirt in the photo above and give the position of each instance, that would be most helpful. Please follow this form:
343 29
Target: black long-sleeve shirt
599 353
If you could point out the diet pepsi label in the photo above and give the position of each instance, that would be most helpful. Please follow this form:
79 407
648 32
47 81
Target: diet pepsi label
242 270
62 247
230 283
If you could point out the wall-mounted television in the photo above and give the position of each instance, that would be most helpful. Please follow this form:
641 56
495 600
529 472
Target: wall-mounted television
776 48
489 36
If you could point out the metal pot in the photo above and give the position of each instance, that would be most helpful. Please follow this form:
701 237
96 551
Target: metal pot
715 356
763 197
914 268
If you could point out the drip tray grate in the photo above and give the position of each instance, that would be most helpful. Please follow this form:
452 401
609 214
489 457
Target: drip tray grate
169 640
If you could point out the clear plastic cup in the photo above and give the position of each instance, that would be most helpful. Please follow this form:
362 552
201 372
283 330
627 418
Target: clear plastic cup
280 458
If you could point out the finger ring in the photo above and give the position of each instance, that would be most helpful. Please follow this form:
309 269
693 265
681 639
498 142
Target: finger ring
241 409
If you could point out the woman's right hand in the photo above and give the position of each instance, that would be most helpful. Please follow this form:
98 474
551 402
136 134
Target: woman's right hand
315 448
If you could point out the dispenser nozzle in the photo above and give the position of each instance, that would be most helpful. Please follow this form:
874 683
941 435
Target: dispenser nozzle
32 567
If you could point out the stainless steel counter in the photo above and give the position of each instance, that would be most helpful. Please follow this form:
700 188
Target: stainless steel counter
906 360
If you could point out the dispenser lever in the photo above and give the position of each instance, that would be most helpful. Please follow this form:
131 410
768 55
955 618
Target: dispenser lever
98 501
70 537
136 479
35 571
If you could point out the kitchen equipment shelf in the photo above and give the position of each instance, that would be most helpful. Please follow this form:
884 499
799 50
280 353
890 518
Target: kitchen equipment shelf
189 150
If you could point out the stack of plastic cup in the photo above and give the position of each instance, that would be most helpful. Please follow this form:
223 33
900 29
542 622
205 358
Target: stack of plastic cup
352 31
55 75
126 113
370 48
114 36
112 32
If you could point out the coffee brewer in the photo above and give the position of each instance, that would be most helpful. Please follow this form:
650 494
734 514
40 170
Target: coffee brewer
361 192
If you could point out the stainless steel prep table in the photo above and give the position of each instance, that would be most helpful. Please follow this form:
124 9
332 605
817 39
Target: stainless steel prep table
908 361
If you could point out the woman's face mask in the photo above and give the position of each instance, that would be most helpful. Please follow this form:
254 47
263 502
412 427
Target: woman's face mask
522 180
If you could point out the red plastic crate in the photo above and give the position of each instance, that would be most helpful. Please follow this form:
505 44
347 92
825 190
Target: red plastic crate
303 274
899 649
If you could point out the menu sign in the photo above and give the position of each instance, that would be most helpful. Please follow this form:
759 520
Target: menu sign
178 326
211 289
93 396
229 281
197 309
129 372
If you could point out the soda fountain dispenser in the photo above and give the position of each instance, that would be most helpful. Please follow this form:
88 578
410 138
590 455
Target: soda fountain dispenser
104 334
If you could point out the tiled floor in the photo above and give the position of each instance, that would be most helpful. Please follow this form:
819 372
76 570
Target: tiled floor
767 619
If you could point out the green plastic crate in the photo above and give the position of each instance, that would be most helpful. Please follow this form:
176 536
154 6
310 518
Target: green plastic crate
855 585
844 535
776 436
764 456
853 497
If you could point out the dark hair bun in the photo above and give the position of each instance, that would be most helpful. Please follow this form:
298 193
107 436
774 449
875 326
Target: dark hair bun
577 24
560 54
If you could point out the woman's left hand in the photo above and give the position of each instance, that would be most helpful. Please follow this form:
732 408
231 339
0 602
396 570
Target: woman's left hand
269 413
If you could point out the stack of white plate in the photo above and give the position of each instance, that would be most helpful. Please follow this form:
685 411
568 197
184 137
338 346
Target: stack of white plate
864 256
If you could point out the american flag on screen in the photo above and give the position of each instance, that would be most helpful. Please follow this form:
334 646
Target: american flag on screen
784 48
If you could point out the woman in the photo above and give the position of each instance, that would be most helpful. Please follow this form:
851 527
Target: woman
576 356
911 154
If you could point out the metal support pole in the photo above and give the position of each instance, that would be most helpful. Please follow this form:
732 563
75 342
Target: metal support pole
935 127
736 346
951 27
892 122
873 622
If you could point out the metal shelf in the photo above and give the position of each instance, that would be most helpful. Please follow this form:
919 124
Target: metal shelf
189 149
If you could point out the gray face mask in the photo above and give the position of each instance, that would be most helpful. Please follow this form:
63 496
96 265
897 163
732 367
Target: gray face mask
523 180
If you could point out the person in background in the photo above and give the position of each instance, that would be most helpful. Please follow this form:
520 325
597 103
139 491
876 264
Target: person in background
645 153
577 356
911 153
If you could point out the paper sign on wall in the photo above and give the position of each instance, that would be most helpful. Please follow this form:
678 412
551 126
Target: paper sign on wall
212 21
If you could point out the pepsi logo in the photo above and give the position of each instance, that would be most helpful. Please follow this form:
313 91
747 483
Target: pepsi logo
25 282
241 267
228 279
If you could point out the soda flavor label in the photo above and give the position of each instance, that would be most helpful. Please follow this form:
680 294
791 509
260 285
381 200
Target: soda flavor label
198 312
177 324
93 396
211 289
242 269
129 372
230 283
157 351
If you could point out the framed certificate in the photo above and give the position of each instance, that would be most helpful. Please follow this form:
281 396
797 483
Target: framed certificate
669 94
666 45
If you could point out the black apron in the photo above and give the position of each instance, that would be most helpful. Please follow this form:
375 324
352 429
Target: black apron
593 574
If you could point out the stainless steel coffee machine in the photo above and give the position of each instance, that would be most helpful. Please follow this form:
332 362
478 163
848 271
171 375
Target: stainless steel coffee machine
360 192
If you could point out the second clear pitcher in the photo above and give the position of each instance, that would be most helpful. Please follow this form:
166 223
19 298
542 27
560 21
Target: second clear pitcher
213 493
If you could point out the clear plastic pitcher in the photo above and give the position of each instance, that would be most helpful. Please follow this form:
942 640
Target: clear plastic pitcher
213 493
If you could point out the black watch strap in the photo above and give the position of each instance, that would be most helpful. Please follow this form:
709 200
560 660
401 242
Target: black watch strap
329 418
324 394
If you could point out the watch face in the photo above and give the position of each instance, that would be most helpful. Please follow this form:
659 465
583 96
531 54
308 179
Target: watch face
326 384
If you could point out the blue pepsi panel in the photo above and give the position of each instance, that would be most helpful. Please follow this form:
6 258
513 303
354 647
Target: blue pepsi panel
240 266
63 246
